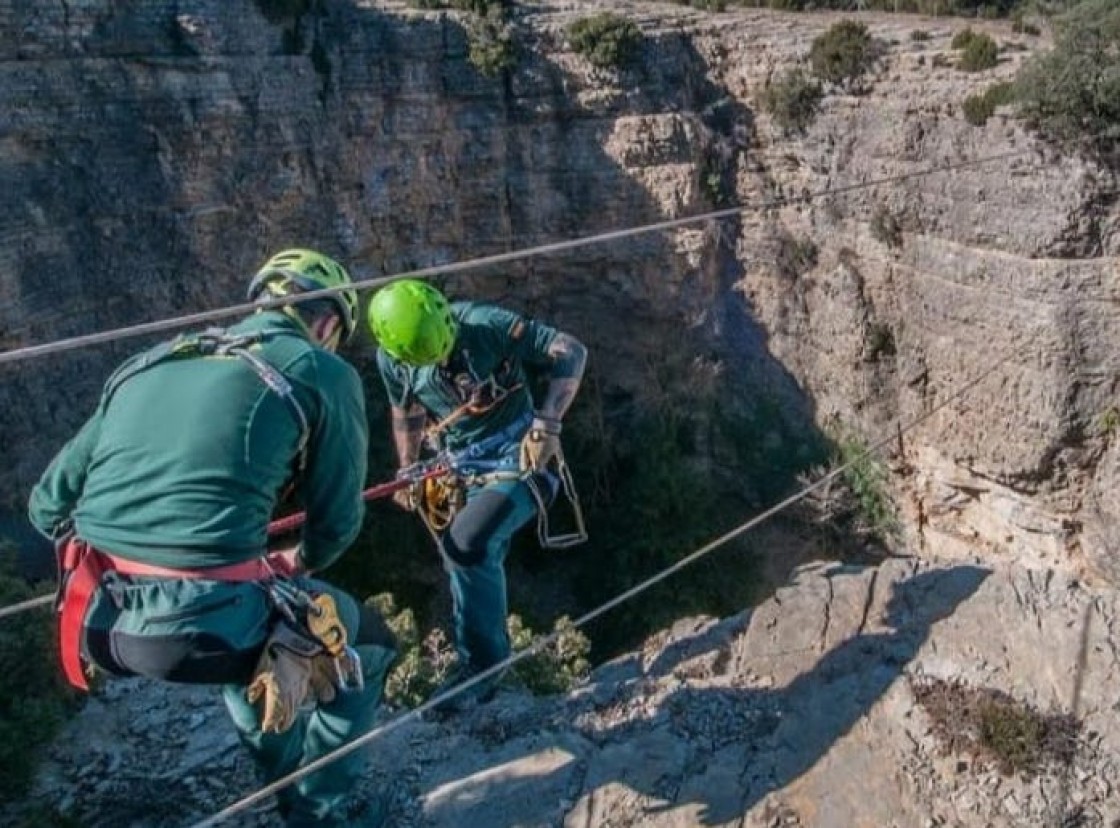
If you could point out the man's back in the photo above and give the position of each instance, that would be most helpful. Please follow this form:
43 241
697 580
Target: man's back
191 454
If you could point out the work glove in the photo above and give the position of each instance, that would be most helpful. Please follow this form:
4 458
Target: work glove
540 445
290 676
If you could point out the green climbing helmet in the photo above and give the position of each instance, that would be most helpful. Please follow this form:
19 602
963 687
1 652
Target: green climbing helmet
309 271
412 321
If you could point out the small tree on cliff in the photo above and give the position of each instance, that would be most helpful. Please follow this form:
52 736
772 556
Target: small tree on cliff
1073 91
843 54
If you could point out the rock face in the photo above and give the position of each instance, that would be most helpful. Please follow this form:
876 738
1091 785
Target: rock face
800 713
154 156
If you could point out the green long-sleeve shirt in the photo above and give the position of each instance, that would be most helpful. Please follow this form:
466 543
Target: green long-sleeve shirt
495 349
184 462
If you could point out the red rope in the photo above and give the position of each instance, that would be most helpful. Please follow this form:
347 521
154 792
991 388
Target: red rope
287 524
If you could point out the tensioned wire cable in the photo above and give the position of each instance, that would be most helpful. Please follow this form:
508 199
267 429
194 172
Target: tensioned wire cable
30 603
159 326
544 641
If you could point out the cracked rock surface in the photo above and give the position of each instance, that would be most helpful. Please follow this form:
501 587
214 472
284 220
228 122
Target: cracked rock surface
799 713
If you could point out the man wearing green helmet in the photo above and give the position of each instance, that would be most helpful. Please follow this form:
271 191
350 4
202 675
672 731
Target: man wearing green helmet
457 377
160 509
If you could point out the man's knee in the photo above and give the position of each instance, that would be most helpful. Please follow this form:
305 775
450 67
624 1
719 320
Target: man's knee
468 540
372 629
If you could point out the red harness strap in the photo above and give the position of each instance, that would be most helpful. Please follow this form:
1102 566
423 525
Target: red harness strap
81 569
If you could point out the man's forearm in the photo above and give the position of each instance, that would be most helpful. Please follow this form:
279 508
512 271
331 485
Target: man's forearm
408 433
569 358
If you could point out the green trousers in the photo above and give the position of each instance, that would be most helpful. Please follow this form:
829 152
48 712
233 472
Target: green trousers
322 797
474 550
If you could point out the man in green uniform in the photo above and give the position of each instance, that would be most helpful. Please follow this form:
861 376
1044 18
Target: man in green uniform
458 375
160 507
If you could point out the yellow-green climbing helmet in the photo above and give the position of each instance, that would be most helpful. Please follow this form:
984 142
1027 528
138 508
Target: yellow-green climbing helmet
309 271
412 321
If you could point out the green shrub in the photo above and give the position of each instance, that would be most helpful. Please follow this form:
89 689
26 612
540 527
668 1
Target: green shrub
795 256
994 728
482 8
792 101
492 48
962 38
843 53
558 667
978 108
1108 423
981 53
879 342
867 480
1019 26
607 40
476 7
424 662
886 228
1073 91
34 700
490 40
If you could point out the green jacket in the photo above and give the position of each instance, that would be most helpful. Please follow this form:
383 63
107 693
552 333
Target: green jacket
495 349
183 463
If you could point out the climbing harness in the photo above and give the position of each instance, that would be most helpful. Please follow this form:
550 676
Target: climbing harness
81 569
219 342
485 397
448 475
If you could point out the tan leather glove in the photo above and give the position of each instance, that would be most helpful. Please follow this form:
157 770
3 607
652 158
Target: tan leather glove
323 679
290 676
540 445
282 682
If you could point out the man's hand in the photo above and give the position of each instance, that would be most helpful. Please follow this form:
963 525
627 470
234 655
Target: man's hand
410 497
286 561
540 445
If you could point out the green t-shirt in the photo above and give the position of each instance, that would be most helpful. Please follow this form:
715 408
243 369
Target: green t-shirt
183 463
495 352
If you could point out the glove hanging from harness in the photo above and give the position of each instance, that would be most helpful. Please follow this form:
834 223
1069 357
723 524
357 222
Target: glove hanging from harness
305 661
293 672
